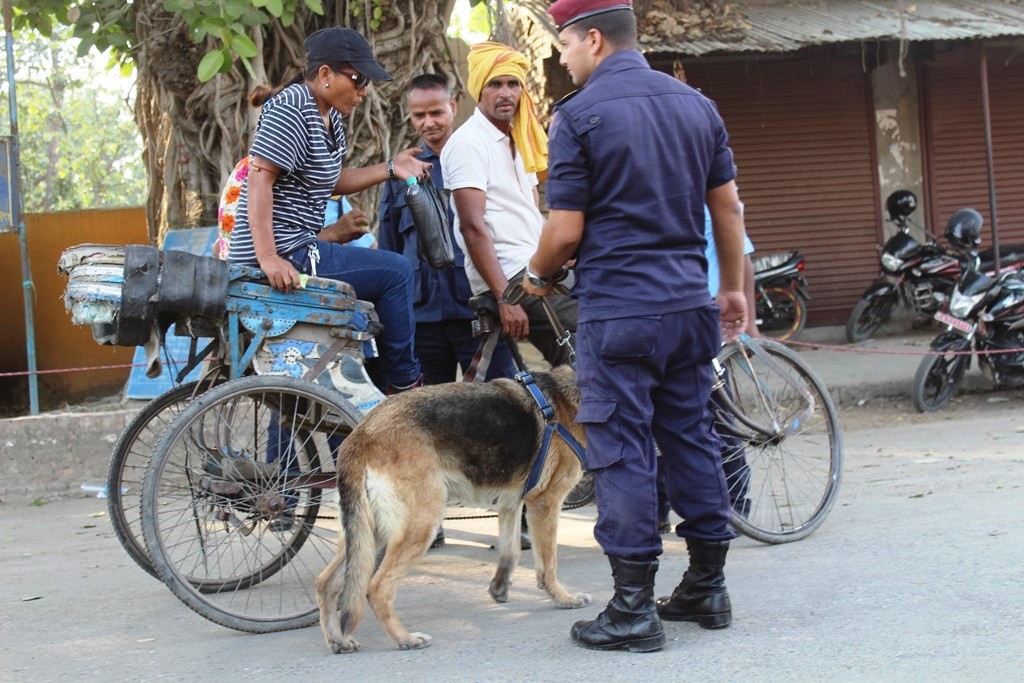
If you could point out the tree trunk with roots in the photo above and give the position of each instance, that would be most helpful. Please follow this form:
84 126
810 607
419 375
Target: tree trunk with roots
193 133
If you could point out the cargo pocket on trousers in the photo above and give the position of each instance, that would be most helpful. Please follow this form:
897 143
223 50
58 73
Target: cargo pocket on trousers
629 339
604 446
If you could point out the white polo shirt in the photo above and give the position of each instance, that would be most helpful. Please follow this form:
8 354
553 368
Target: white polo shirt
478 155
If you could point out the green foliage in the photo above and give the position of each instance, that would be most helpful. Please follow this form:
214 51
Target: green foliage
80 147
230 24
109 25
376 10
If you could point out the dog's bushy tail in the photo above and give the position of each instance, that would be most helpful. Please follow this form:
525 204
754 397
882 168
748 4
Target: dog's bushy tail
358 524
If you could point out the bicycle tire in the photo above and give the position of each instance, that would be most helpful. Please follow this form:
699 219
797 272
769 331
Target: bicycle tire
128 462
782 485
581 494
212 497
793 318
937 380
867 316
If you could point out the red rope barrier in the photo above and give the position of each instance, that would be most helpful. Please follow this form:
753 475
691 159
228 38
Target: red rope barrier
84 369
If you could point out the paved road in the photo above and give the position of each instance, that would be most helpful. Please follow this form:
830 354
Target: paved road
916 576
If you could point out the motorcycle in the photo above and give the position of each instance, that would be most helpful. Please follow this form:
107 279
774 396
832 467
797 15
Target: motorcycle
921 276
780 294
985 313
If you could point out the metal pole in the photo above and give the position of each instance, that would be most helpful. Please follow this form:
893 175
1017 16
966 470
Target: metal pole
18 220
988 157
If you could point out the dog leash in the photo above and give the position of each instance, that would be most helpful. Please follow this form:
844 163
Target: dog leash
551 427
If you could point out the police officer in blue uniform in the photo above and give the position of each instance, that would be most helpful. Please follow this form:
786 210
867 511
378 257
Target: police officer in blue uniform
634 156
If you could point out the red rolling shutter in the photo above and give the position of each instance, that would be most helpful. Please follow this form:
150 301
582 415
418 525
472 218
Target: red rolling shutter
958 174
800 133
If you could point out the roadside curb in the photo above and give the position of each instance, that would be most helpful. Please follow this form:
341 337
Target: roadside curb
56 453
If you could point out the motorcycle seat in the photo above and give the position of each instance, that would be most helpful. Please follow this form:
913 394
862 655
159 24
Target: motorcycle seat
1009 254
771 261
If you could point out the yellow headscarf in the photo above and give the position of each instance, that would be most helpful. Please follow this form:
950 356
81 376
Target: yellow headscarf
489 60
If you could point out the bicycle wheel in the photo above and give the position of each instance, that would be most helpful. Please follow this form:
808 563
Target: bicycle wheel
782 447
937 380
240 511
128 464
581 494
786 317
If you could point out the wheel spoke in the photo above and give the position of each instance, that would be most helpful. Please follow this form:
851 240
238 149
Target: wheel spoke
238 520
782 485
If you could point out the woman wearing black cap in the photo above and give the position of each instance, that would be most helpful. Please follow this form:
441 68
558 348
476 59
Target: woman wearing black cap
296 165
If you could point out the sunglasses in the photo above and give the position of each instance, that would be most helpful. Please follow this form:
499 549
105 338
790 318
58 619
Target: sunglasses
358 79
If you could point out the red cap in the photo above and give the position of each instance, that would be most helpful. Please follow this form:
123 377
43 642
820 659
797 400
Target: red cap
568 12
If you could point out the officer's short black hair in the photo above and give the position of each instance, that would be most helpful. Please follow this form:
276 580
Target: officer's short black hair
431 82
618 28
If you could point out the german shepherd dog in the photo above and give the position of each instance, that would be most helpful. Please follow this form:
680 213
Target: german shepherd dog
459 443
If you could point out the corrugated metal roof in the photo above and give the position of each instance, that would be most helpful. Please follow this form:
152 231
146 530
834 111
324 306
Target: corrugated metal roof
788 26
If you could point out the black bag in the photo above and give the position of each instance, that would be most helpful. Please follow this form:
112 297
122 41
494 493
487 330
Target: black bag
429 207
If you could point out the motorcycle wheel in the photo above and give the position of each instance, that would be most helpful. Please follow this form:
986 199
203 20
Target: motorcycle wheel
867 316
786 317
937 380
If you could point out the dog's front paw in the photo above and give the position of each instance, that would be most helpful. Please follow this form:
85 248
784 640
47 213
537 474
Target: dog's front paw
415 641
344 645
576 601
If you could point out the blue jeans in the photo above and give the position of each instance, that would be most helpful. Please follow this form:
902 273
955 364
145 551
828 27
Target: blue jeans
385 279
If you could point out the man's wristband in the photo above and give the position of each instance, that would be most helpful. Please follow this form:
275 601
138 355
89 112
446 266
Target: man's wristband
391 170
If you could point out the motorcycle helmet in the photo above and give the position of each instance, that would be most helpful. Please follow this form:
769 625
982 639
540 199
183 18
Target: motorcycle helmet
964 229
901 204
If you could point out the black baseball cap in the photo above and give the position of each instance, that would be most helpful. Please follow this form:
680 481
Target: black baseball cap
339 44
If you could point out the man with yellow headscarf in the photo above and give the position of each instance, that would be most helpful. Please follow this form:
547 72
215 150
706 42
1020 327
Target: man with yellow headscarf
491 164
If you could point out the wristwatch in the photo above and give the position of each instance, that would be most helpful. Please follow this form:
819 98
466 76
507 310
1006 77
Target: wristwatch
537 280
391 170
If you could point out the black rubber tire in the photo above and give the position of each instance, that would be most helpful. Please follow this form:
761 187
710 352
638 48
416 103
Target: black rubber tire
581 494
197 517
783 486
132 454
790 315
867 316
937 380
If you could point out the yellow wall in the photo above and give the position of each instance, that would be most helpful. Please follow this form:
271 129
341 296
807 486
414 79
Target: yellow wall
59 344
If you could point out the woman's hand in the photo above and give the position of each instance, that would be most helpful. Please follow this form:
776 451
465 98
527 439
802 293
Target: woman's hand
351 226
408 166
280 272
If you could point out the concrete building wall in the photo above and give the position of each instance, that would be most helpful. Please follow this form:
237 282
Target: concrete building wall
898 136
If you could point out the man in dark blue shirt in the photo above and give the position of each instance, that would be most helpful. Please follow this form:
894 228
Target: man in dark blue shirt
634 156
444 335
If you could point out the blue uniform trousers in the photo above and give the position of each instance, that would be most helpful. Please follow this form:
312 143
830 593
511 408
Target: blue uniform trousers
644 379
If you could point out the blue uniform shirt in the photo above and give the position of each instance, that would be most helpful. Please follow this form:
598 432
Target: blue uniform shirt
437 294
642 251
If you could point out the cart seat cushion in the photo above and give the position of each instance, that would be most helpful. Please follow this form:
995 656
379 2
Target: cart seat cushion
193 285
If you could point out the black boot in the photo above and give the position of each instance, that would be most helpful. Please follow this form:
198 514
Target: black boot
630 620
701 596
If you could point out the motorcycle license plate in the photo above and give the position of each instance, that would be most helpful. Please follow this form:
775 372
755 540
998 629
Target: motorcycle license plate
955 323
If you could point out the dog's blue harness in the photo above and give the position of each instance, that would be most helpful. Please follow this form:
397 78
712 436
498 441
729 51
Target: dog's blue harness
551 427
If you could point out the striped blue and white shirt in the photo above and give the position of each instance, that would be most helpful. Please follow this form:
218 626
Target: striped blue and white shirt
291 134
